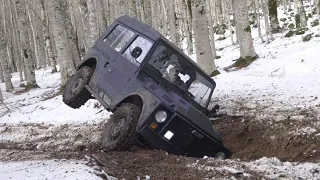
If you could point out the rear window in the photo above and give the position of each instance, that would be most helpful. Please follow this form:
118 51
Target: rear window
141 42
118 37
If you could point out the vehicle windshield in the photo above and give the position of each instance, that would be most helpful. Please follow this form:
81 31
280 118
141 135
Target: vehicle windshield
182 74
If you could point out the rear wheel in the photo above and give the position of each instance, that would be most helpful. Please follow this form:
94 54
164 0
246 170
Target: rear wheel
120 130
75 94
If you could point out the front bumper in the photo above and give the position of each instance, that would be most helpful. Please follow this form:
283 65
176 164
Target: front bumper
186 140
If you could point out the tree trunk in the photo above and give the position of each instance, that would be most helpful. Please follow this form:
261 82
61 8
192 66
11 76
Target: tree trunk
318 9
165 17
33 35
4 60
72 39
84 21
133 8
211 31
201 36
46 38
188 10
273 15
94 32
16 40
300 15
24 26
173 24
244 29
1 74
266 21
257 13
64 53
148 12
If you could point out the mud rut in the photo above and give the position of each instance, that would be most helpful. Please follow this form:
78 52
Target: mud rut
246 137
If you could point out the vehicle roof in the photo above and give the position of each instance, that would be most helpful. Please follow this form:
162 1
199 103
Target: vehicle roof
151 33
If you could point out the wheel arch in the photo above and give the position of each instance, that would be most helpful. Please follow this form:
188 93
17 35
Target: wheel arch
134 99
90 62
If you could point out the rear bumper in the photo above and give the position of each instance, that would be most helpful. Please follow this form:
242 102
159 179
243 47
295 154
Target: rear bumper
158 141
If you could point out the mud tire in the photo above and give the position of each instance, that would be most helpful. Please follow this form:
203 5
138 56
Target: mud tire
75 94
119 133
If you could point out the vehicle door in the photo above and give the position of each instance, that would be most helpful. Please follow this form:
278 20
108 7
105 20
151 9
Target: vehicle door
119 66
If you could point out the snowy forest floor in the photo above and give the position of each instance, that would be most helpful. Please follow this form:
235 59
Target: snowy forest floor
272 124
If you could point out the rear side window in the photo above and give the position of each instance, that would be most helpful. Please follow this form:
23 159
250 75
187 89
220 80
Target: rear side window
141 42
119 37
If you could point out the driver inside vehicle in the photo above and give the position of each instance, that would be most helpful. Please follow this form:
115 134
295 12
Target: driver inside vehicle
174 78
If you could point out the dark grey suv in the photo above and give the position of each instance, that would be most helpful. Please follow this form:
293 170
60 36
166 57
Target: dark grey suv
158 95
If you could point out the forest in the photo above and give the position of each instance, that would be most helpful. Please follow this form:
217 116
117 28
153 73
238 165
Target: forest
262 54
45 33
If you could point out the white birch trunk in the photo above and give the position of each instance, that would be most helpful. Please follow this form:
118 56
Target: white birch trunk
24 26
148 12
266 21
244 30
133 8
85 21
64 54
302 14
33 36
257 13
4 59
71 39
1 74
165 17
284 2
318 9
201 35
94 32
46 38
188 11
211 31
172 22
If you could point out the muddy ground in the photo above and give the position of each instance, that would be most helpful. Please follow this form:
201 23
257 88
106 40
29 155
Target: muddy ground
246 137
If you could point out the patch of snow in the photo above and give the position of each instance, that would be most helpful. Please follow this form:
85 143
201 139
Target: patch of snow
48 169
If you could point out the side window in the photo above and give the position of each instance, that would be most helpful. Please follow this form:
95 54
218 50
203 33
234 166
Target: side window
119 37
145 46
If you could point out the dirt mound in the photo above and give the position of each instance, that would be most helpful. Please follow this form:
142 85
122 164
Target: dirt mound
288 140
161 165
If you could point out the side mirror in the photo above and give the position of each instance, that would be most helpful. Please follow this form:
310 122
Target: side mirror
136 52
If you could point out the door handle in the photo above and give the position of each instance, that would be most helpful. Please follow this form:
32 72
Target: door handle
106 64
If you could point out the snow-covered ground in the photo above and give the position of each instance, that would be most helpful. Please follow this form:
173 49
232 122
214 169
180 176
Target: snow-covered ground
280 84
47 169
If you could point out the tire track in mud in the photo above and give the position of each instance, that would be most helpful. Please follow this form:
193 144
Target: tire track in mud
247 138
37 141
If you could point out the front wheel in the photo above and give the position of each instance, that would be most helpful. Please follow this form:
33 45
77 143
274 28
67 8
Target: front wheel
120 130
75 94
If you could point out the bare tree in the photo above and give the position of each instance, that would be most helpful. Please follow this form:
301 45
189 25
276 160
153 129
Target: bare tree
147 12
211 31
273 15
173 22
46 37
4 61
244 30
24 26
257 13
266 21
64 53
300 15
201 35
94 32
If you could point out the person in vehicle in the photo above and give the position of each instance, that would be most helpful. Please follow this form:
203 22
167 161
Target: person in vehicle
174 78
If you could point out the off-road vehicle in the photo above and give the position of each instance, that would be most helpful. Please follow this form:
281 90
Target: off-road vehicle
158 95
